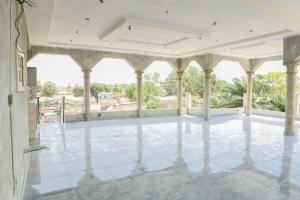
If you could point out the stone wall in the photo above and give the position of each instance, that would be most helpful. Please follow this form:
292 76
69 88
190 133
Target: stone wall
13 119
215 112
149 113
120 114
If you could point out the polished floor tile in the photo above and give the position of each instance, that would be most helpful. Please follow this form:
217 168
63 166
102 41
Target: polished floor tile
168 158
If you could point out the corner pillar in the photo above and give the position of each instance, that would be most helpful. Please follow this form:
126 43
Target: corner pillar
139 79
179 94
291 98
250 75
207 93
87 93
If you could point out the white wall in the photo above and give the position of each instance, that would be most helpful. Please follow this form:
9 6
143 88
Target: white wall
11 187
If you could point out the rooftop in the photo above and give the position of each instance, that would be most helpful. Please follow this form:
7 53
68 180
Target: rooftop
231 157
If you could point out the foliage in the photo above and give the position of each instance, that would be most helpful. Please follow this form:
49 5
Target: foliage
193 81
49 89
151 89
96 88
152 103
117 89
78 91
170 84
268 92
131 92
39 87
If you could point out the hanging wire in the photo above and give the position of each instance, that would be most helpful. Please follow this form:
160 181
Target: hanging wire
18 19
17 26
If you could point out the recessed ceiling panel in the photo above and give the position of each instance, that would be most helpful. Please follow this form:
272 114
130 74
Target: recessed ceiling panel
173 28
137 31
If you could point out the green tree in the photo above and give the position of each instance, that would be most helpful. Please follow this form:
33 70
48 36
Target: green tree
151 89
39 87
193 81
77 91
170 83
270 91
96 88
228 95
131 92
49 89
117 89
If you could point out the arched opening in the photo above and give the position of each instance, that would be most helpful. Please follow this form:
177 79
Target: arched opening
193 85
269 87
159 86
228 85
57 76
113 84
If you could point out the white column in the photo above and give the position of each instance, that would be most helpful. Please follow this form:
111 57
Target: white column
249 92
87 93
188 100
139 77
179 95
207 91
291 98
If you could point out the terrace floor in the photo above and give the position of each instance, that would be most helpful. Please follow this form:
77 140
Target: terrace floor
166 158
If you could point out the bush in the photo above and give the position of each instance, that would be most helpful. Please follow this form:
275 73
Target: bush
78 91
152 104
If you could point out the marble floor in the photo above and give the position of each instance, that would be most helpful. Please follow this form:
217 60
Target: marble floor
166 158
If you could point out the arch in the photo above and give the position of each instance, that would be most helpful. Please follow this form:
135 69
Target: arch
113 85
269 86
160 86
229 85
268 66
57 68
226 70
193 85
66 74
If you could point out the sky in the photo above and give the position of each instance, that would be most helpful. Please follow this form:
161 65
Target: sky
64 71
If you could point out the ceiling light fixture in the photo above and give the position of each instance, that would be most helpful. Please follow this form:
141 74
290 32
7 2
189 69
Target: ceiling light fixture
214 23
129 28
251 31
101 1
87 19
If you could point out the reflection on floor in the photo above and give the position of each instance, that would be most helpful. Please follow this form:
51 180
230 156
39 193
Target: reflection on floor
166 158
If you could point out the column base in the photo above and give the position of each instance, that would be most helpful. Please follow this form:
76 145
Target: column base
289 133
138 114
179 112
206 118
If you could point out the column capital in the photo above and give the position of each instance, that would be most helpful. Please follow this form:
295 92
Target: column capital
86 70
250 74
207 73
139 74
292 66
179 75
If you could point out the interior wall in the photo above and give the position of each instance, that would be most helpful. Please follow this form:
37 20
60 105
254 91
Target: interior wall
13 119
